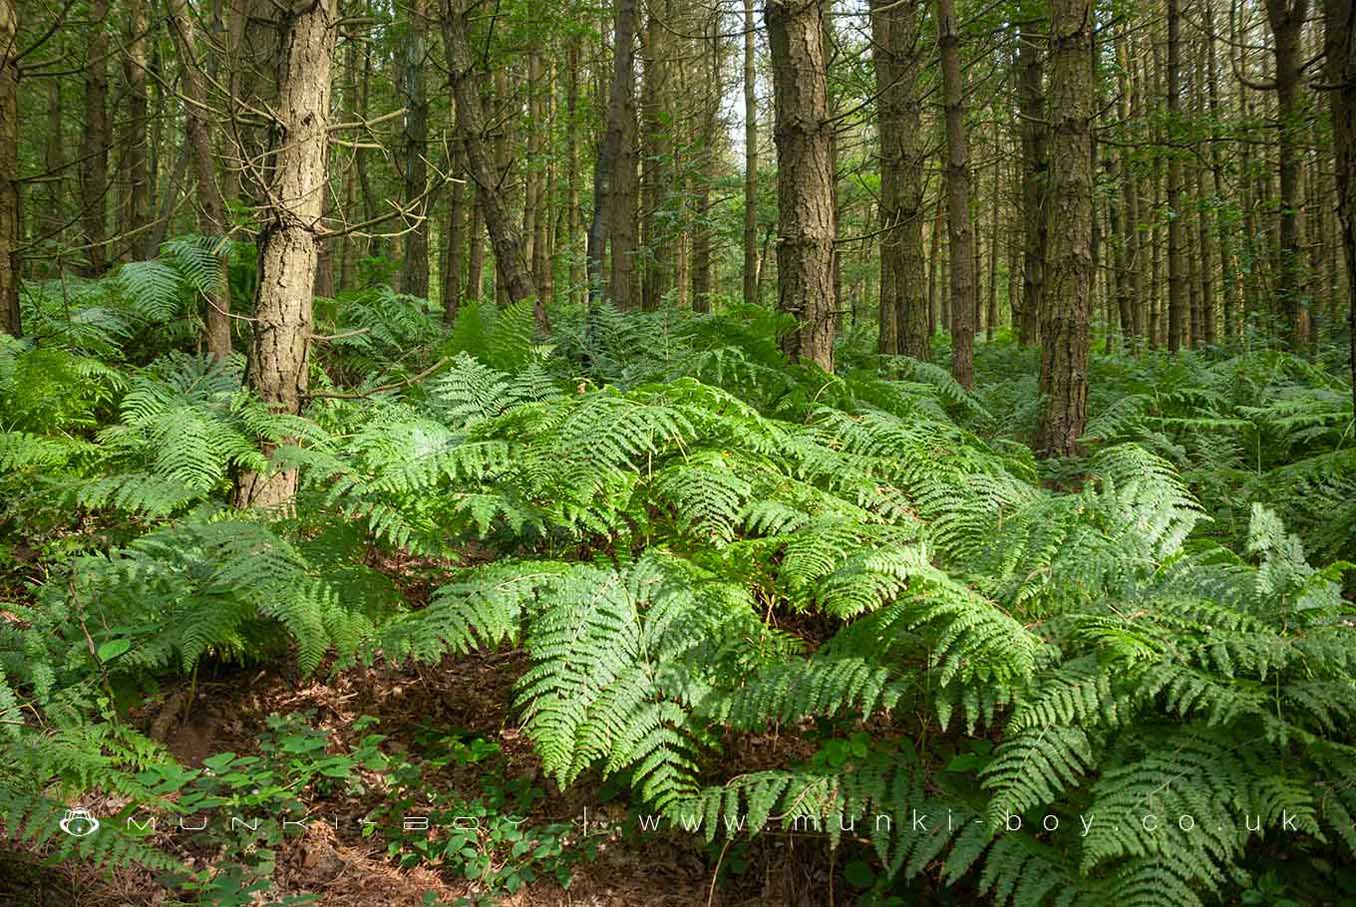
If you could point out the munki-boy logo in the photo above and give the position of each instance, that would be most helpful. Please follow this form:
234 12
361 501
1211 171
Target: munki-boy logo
78 823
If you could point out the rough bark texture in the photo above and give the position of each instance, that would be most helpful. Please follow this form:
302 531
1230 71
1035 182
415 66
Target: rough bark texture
1287 25
960 233
1340 46
414 164
903 283
1177 218
1068 309
806 226
94 168
750 161
659 120
137 205
211 203
454 242
612 153
1035 167
1228 272
277 362
9 170
504 236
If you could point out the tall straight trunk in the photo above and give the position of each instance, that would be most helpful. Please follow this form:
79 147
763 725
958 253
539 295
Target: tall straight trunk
960 234
613 155
572 219
657 161
935 264
136 210
94 167
995 189
750 161
414 153
896 33
1203 333
1232 302
1035 174
1177 289
54 156
1287 26
211 204
543 194
1340 55
623 206
504 238
806 224
1131 285
702 238
277 363
10 322
475 246
454 241
1064 329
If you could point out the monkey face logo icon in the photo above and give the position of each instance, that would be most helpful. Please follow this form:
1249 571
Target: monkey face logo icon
78 823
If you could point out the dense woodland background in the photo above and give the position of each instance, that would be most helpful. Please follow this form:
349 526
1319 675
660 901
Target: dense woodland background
768 415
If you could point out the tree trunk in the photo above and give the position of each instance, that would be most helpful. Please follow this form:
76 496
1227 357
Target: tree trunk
1035 174
895 29
136 211
1287 25
94 168
1064 329
612 153
212 205
659 124
1177 298
1228 274
960 233
750 161
1340 47
414 163
805 213
277 363
10 322
504 238
454 242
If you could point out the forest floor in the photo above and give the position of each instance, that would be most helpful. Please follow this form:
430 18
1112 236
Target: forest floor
333 864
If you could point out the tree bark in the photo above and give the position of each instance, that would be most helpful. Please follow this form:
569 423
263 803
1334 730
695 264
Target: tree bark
1287 25
504 237
612 153
10 322
212 205
1177 218
804 137
414 163
136 210
1035 173
750 272
277 366
1064 329
960 233
896 33
94 169
1340 48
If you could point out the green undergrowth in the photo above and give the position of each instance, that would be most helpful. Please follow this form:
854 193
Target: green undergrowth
695 542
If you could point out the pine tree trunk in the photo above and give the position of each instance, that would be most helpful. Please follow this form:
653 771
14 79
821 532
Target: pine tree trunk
10 322
612 152
658 118
1035 175
94 167
277 364
454 242
414 165
212 205
504 237
750 273
895 29
1287 24
1177 291
1064 329
960 233
806 227
137 208
1340 48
